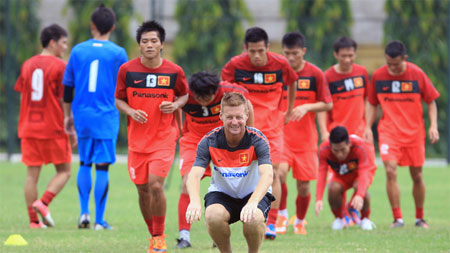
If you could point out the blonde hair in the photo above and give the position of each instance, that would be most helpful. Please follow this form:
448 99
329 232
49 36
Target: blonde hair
233 99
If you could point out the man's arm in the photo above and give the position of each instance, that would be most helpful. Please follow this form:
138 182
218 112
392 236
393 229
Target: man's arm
370 114
194 210
179 120
292 90
321 182
170 107
248 212
251 114
433 130
299 111
137 115
322 121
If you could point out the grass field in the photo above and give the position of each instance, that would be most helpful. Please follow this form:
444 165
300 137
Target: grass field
130 232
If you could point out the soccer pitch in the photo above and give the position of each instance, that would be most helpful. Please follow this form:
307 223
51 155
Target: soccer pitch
130 232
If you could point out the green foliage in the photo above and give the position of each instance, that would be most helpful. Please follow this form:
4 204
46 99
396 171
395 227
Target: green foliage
210 33
79 27
23 43
321 22
423 27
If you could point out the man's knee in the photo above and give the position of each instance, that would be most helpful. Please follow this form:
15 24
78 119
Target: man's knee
391 171
335 189
303 188
258 220
216 213
416 175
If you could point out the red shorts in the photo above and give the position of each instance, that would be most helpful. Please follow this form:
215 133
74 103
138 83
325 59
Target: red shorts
371 156
188 153
347 181
156 163
304 164
403 155
276 147
36 152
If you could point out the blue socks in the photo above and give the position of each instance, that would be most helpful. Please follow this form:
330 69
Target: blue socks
84 182
101 192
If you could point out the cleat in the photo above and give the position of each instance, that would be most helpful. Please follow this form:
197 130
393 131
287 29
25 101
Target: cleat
37 225
103 226
84 221
159 243
338 224
422 223
367 224
150 247
397 224
181 244
281 225
271 233
354 214
43 210
348 221
300 229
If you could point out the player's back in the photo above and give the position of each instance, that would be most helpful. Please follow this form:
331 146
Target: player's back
40 85
92 71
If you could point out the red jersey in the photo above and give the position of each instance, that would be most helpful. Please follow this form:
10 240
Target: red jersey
265 86
145 89
400 98
311 88
41 88
348 92
356 162
202 119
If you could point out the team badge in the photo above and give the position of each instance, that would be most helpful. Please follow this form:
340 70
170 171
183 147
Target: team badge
407 87
215 109
351 165
243 158
303 84
358 82
163 80
270 78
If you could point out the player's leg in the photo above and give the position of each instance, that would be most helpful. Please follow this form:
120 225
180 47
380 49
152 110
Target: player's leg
418 194
335 190
84 180
366 223
302 204
254 232
101 190
393 192
216 218
283 216
33 173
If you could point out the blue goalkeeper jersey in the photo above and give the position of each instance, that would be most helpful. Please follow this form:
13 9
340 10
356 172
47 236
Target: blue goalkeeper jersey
92 70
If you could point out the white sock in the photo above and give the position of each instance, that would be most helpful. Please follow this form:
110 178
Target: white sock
400 220
283 212
185 235
298 221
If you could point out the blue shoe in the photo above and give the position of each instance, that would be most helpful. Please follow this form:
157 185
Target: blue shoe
355 215
103 226
271 233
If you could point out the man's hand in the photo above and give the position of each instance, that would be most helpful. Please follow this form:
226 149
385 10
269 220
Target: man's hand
368 135
69 127
299 111
357 202
248 212
168 107
324 136
139 116
193 212
319 207
434 134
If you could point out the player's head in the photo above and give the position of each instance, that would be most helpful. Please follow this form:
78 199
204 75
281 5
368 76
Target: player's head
150 37
256 43
294 49
204 85
395 54
234 113
103 19
345 52
339 141
54 38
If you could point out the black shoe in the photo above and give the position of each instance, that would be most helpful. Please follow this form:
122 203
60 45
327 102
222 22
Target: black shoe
183 244
421 223
397 224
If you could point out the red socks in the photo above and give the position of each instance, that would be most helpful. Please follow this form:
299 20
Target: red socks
284 193
365 214
397 212
158 225
273 213
419 213
302 204
32 215
183 203
338 213
149 223
47 197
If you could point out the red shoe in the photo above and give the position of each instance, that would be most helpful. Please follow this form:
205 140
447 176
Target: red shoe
37 225
159 244
281 225
300 229
43 210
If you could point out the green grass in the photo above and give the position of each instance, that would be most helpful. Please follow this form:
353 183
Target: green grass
130 232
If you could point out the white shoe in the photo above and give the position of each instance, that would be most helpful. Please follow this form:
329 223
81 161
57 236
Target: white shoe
367 224
338 224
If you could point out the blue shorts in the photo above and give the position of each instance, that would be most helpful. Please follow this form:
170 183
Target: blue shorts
97 151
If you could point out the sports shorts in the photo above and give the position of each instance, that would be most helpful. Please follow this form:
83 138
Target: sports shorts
347 181
156 163
188 153
97 151
36 152
276 147
304 164
234 205
403 155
